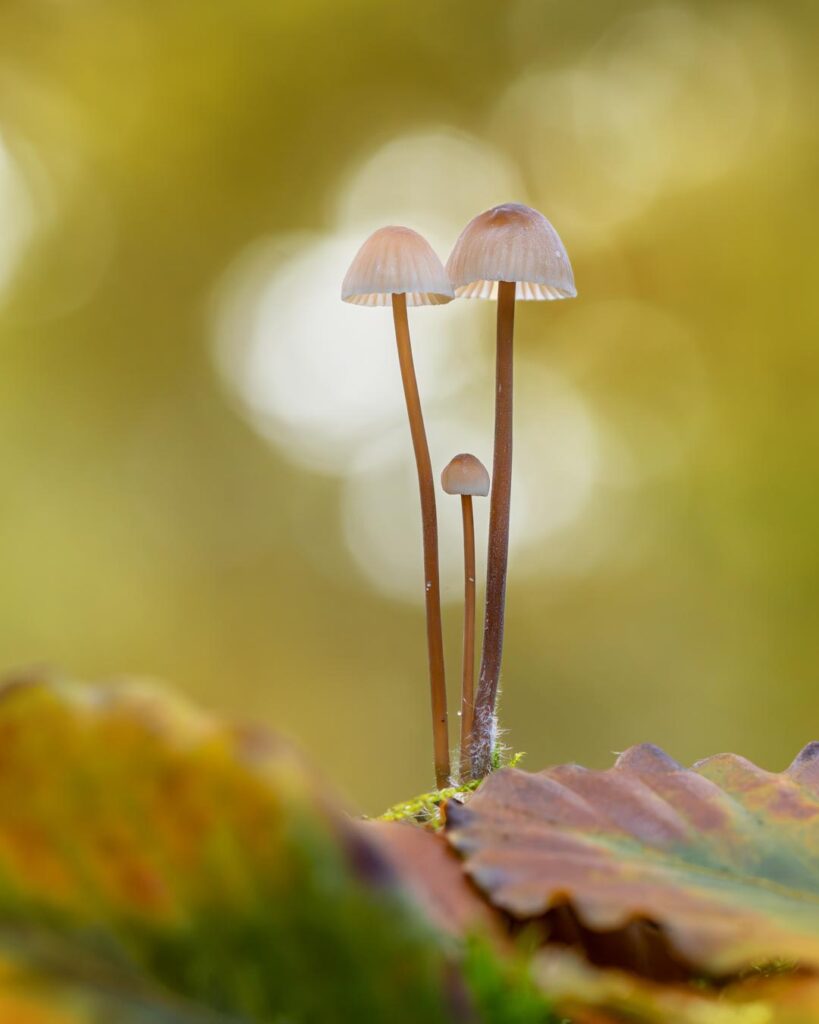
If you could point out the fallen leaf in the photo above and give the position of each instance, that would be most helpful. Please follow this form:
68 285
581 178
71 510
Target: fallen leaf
432 875
159 849
723 857
591 995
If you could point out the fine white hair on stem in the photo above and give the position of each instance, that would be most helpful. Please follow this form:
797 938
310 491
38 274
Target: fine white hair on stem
487 739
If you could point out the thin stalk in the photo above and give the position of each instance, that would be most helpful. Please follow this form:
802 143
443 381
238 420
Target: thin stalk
498 554
429 520
468 678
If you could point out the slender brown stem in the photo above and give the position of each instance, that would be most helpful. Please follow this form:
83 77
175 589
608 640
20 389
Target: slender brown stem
468 679
499 503
429 520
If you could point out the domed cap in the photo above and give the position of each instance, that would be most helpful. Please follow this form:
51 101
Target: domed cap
393 261
466 474
511 243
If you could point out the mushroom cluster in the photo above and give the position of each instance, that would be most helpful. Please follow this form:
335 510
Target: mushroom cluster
508 253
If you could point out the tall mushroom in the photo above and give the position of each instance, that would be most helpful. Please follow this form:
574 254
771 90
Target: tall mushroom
397 267
466 475
508 252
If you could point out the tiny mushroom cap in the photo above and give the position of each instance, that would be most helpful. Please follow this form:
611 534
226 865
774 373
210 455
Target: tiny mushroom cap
395 261
511 243
466 475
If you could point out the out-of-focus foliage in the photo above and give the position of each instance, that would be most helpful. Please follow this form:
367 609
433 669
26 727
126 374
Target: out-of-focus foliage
206 473
147 835
589 995
158 865
61 988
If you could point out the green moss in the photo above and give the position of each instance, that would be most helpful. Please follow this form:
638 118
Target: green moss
426 808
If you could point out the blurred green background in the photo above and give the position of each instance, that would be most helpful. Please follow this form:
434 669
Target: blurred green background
206 469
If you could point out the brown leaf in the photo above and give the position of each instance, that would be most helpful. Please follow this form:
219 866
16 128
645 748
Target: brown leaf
724 856
432 875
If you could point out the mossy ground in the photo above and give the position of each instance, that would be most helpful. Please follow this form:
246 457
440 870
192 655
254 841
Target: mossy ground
425 809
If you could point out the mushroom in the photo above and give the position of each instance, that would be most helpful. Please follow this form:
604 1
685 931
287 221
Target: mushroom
397 267
466 475
508 252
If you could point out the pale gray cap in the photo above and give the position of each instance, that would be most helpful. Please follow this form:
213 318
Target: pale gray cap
395 261
466 474
511 243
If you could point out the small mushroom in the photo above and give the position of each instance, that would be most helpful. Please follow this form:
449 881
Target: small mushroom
508 252
466 475
397 267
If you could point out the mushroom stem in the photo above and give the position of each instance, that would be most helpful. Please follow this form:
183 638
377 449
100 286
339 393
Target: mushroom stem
468 678
429 520
498 553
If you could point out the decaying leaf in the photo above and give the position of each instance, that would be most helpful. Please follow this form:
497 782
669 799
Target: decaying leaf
432 875
591 995
585 994
724 856
789 998
158 848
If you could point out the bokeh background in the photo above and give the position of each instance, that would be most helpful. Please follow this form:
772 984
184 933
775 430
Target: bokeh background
205 468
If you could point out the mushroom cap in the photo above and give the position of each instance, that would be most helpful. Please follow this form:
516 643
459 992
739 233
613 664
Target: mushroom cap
465 474
511 243
396 261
